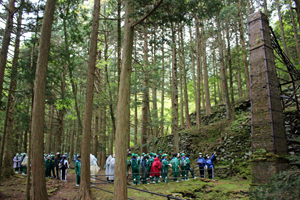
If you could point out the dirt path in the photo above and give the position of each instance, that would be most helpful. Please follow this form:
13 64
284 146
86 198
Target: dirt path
14 188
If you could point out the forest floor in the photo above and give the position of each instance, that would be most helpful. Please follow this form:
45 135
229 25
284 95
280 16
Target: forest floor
232 188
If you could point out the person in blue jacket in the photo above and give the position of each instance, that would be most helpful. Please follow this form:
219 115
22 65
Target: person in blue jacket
201 163
210 165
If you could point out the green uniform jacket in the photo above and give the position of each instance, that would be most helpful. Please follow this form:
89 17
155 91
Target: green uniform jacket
149 163
164 165
188 163
183 162
78 167
48 164
52 164
134 164
174 162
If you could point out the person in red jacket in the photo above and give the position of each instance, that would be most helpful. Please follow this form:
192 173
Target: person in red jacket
155 169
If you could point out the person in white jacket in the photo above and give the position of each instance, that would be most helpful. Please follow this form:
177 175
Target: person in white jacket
107 167
64 165
112 169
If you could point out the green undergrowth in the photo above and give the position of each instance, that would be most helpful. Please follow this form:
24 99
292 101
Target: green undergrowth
192 189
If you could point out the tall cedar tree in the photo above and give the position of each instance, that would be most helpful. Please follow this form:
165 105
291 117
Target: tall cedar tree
84 190
38 113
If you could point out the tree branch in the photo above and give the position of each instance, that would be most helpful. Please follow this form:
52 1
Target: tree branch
147 15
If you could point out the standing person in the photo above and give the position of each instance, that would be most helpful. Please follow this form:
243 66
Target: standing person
52 166
149 165
188 167
143 169
155 169
201 163
183 167
56 162
135 169
16 163
78 170
74 157
175 167
64 165
210 165
112 169
107 167
164 168
24 165
48 167
159 155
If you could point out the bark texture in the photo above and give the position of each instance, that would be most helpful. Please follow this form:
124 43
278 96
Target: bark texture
38 114
85 190
120 184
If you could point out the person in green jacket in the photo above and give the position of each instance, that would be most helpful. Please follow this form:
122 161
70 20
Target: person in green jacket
164 168
52 166
135 169
78 170
149 164
188 167
183 163
175 167
48 167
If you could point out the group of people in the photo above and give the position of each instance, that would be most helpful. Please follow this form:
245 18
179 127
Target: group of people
20 163
151 167
60 163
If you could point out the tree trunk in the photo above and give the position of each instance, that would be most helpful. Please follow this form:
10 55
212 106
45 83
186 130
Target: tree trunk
240 90
8 130
38 114
198 58
103 136
175 92
120 184
61 115
281 27
5 43
135 113
193 66
119 45
49 135
181 88
297 2
229 65
145 107
206 85
241 29
154 89
71 141
265 8
295 32
186 99
223 74
85 190
95 135
215 79
162 91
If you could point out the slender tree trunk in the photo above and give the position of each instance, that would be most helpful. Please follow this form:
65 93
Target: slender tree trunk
241 29
162 91
8 130
193 66
186 99
229 65
71 141
181 88
135 114
281 27
84 190
154 89
95 135
215 78
198 58
206 85
240 90
103 136
295 32
297 2
5 43
223 74
145 107
61 115
119 41
120 185
266 8
25 141
38 114
49 135
175 92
